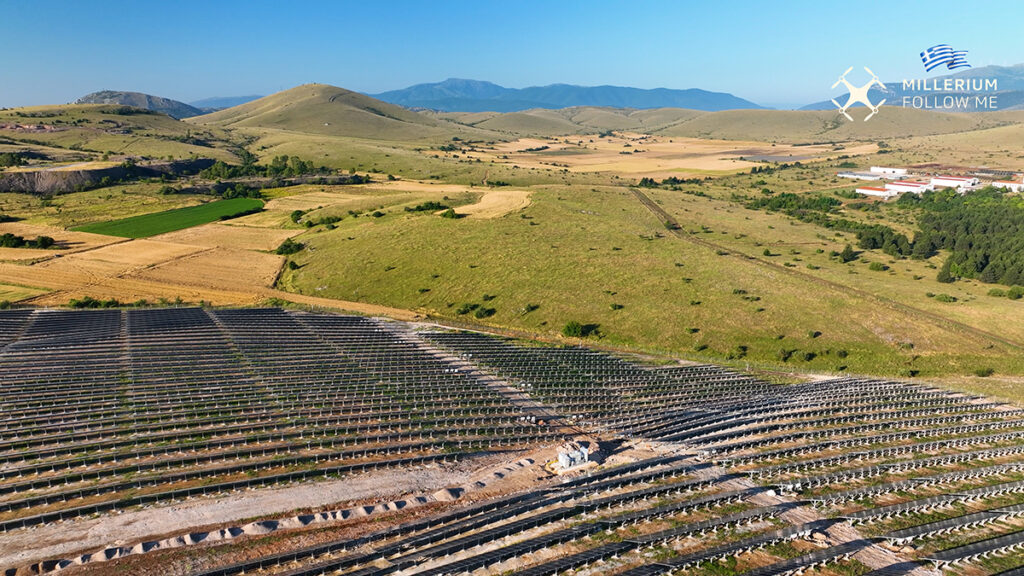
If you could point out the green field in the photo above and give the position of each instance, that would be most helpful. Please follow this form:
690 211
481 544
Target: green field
148 225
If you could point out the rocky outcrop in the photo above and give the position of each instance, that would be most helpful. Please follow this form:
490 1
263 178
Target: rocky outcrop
48 182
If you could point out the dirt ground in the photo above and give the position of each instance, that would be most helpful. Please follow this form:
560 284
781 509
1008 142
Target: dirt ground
73 537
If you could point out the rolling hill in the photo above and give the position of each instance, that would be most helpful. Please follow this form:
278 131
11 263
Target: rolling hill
329 110
172 108
458 95
575 120
799 126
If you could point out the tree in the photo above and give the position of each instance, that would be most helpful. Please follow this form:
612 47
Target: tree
945 275
848 255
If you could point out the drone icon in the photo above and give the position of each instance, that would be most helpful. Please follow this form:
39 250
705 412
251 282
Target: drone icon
858 94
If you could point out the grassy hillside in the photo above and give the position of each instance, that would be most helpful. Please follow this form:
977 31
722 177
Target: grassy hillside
332 111
576 120
94 129
829 126
597 255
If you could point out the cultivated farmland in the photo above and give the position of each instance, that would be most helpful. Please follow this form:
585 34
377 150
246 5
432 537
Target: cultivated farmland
148 225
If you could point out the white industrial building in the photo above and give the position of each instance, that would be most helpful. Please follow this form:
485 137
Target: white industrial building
876 191
859 175
884 171
1007 185
900 186
957 182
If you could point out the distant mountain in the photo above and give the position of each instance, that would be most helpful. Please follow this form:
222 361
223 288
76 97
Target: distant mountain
1010 93
222 102
172 108
458 95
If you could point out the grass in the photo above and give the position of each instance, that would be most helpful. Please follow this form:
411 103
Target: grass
577 250
14 293
80 208
148 225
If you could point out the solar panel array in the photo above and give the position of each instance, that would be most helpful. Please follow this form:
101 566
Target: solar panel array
755 478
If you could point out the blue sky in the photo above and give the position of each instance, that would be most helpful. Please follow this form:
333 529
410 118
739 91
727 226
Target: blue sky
774 53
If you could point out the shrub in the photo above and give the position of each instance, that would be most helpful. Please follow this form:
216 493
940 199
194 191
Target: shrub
1015 293
784 355
289 246
292 265
430 206
466 308
984 372
574 329
484 312
5 304
808 356
530 308
614 306
877 267
945 298
997 292
450 213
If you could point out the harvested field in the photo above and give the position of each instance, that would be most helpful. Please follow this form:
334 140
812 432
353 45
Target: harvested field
655 156
66 241
217 268
121 258
219 235
497 203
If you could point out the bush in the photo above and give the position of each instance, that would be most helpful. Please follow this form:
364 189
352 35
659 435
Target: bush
574 329
289 246
90 302
484 312
450 213
997 292
1015 293
614 306
292 265
5 304
466 308
984 372
945 298
877 267
808 356
430 206
784 355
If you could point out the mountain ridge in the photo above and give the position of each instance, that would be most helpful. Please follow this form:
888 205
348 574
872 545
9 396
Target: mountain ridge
463 95
172 108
